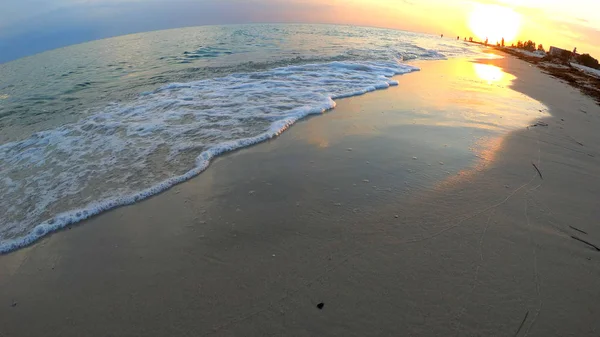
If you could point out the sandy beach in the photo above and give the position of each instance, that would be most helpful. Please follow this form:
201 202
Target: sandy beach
413 211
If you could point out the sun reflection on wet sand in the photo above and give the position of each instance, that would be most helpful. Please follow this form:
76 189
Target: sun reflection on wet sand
453 116
457 94
485 150
477 96
488 73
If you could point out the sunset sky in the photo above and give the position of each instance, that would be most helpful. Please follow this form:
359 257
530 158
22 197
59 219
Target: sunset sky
31 26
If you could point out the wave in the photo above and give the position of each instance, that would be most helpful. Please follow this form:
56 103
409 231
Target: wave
128 152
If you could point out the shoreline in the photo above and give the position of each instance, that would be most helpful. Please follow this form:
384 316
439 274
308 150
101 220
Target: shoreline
577 78
72 217
65 220
338 211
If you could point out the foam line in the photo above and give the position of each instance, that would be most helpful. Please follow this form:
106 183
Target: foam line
127 153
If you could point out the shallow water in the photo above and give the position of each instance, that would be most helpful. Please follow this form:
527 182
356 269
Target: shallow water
91 127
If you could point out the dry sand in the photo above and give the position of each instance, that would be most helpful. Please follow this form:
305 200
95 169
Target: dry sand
337 211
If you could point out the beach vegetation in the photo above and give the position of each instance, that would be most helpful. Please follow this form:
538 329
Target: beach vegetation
588 61
529 45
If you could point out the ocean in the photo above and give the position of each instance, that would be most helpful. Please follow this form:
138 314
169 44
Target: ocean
92 127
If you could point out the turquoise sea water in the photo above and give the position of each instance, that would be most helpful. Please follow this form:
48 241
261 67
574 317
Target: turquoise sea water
91 127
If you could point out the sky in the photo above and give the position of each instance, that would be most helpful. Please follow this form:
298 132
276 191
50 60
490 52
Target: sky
32 26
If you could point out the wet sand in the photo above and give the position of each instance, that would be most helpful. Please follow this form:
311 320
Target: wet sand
405 212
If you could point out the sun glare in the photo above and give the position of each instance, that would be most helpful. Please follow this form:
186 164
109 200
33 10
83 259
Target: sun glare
494 22
488 72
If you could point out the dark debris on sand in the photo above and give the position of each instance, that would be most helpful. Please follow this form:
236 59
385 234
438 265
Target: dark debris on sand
587 84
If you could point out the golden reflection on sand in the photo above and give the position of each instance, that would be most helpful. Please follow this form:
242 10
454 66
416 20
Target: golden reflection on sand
479 96
486 150
459 94
349 121
488 72
317 136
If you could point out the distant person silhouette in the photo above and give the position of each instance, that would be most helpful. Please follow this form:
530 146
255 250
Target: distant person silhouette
442 35
486 41
502 42
458 37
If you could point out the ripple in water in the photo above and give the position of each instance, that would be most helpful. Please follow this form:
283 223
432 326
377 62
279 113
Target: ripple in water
119 153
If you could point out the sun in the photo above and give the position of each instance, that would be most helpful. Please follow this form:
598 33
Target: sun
494 22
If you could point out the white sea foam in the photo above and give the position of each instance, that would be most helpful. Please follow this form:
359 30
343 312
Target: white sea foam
128 152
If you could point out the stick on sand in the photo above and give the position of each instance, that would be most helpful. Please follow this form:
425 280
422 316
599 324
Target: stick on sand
522 323
579 230
538 170
587 243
